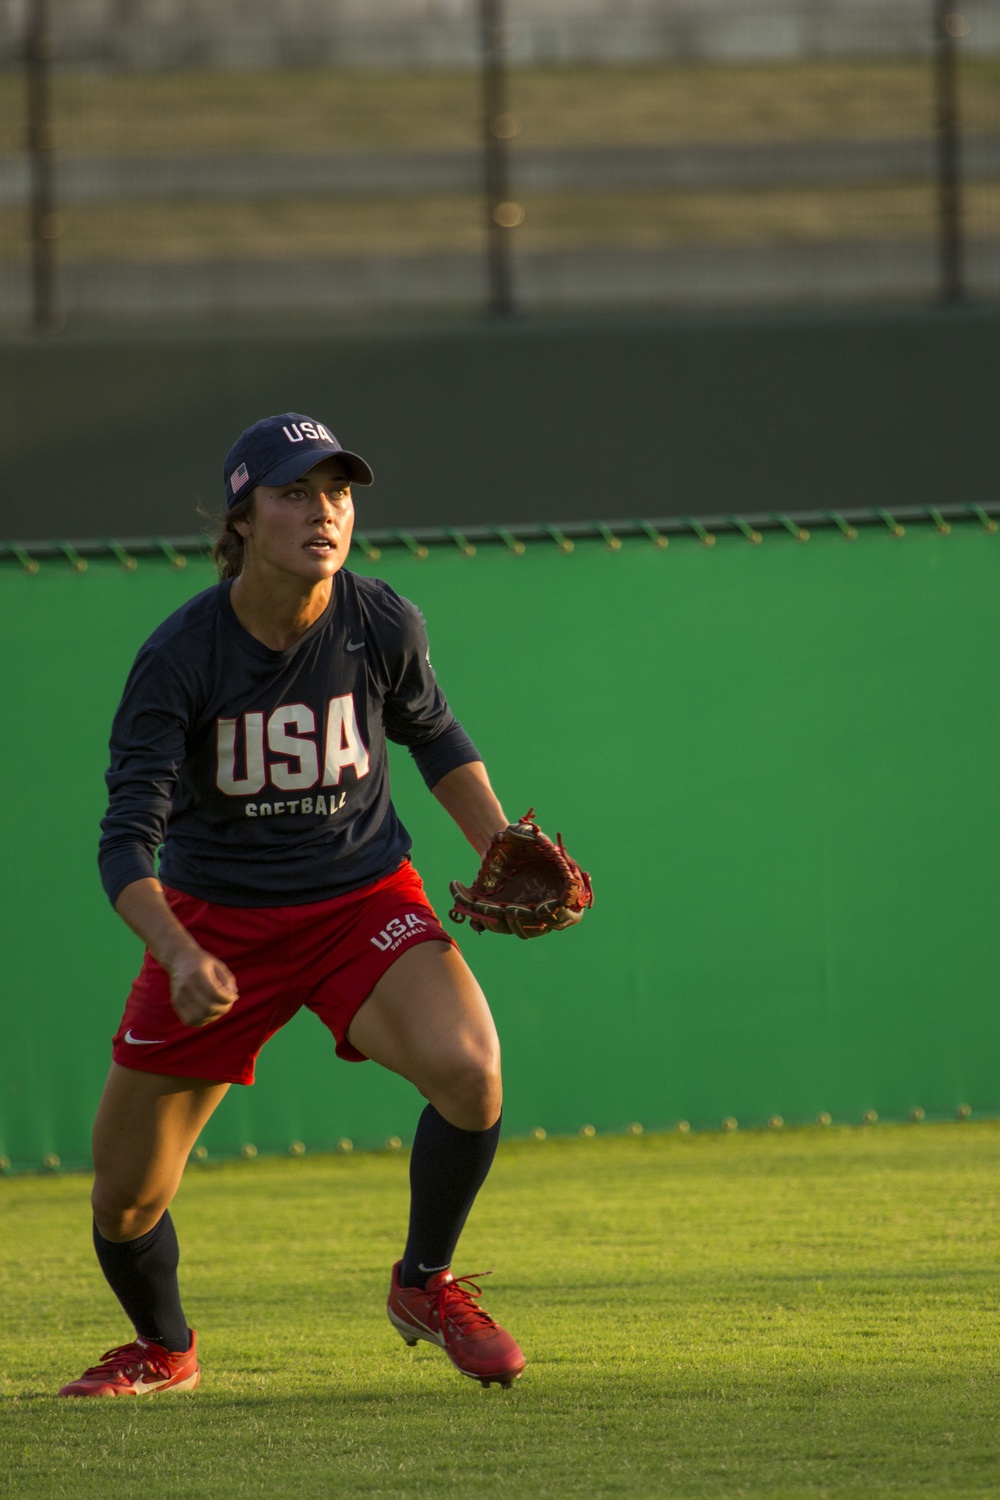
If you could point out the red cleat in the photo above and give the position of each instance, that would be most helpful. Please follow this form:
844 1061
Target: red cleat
447 1312
139 1369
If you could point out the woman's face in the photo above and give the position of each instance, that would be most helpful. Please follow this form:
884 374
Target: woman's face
303 528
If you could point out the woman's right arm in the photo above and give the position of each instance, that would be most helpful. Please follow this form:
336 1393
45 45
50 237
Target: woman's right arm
201 987
148 745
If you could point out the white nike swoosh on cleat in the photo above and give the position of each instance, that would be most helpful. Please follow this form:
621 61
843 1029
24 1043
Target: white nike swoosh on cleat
141 1041
413 1325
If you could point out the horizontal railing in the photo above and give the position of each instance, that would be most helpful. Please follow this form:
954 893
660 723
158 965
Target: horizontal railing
753 526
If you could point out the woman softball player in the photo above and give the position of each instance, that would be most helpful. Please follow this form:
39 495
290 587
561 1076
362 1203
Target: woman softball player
250 743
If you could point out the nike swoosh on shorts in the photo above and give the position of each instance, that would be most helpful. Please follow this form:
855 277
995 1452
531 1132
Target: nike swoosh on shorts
354 645
141 1041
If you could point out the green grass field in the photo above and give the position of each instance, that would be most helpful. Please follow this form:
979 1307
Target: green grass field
810 1313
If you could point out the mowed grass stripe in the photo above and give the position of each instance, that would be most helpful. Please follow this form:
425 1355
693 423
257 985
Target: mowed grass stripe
189 233
323 109
804 1314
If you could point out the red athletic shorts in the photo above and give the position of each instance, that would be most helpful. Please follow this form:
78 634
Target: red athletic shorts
327 956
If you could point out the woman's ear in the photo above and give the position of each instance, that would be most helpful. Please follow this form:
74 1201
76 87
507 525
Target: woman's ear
242 524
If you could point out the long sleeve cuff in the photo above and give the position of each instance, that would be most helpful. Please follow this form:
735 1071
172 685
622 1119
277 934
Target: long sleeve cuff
450 749
121 864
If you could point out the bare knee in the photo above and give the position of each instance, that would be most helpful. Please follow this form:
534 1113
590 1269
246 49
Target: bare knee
123 1215
468 1091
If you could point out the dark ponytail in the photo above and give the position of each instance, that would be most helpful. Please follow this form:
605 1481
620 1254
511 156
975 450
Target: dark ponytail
227 544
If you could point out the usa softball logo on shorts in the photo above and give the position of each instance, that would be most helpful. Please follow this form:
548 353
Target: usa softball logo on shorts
238 478
397 930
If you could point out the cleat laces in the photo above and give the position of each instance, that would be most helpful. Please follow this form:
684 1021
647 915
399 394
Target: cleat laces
127 1361
458 1305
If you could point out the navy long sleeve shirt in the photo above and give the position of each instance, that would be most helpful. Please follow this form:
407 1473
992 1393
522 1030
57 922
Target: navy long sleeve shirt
264 774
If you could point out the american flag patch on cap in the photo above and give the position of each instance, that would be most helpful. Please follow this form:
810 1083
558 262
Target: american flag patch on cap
238 478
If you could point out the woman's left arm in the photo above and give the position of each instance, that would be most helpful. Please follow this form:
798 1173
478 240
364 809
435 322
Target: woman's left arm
465 793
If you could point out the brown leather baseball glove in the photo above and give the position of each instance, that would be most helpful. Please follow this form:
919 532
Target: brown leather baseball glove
527 885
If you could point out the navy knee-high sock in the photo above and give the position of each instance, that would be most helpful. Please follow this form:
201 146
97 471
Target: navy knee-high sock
448 1166
142 1274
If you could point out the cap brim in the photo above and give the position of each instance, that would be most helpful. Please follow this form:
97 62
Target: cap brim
297 464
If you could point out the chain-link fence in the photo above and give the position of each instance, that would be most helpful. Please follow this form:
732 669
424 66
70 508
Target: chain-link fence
227 159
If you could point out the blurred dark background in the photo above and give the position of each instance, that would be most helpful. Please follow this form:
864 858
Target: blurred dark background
586 259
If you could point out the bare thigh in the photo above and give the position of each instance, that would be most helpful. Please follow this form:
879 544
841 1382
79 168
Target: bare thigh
428 1020
144 1130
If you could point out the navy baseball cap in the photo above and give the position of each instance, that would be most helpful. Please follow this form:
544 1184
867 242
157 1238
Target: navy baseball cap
277 450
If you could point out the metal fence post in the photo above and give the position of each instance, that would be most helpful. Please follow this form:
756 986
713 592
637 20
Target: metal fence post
501 215
43 220
948 26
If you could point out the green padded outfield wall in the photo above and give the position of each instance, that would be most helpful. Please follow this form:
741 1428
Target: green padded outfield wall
778 761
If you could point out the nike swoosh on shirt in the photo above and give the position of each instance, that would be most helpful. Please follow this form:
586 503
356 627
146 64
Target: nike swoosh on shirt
354 645
141 1041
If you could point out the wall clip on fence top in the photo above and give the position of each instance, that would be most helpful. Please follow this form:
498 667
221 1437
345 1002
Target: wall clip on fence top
750 532
894 527
985 521
612 542
561 540
707 538
126 559
27 562
792 527
174 558
371 553
411 544
941 526
509 540
843 526
69 552
461 542
656 537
